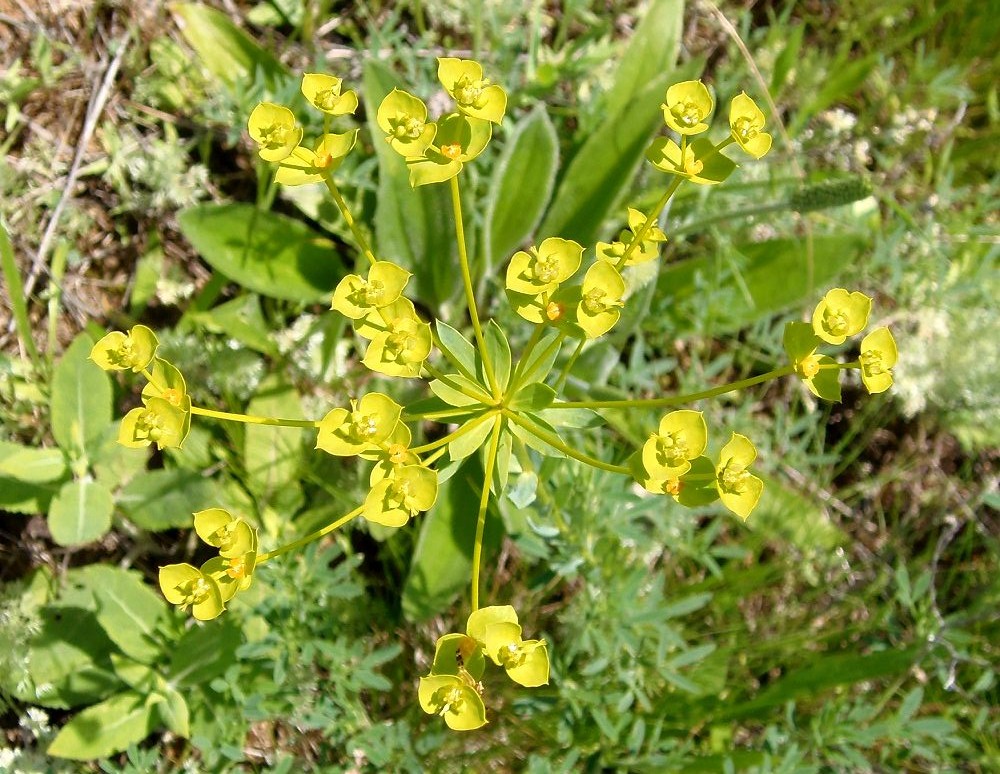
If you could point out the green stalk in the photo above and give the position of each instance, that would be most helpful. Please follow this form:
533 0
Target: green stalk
468 427
310 537
349 219
564 374
484 500
650 220
555 441
678 400
470 296
18 303
253 420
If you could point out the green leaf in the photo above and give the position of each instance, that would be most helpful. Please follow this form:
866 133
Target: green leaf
128 610
442 560
81 398
268 253
166 498
173 711
522 185
542 358
242 320
774 277
21 497
105 728
413 227
30 465
456 347
81 512
532 440
571 417
795 517
466 444
498 351
456 397
533 397
226 51
273 455
204 653
68 660
651 51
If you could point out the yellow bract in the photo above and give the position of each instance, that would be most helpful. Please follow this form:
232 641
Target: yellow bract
304 166
356 296
601 299
687 107
363 427
739 490
473 94
746 124
841 314
324 93
275 131
403 118
878 356
119 351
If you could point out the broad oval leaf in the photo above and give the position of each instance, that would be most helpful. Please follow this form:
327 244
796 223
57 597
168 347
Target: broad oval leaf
267 253
81 398
30 465
166 498
127 609
80 513
522 185
105 728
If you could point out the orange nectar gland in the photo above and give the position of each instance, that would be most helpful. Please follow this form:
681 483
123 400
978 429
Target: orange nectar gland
672 486
451 150
808 367
323 161
172 396
237 568
397 453
554 311
692 166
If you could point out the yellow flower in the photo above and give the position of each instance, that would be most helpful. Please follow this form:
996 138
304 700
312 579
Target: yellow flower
746 124
275 131
841 314
738 488
304 166
601 299
878 356
324 93
688 105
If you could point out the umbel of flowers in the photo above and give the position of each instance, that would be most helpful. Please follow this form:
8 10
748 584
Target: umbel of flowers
500 402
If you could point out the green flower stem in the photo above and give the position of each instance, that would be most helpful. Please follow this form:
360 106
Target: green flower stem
427 462
678 400
564 374
310 537
435 416
840 366
556 343
467 427
447 356
522 361
441 377
654 214
553 440
345 211
470 296
484 500
252 420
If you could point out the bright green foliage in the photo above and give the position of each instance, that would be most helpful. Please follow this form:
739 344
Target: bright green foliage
739 490
119 351
403 118
303 166
700 162
746 124
369 422
473 94
841 314
274 129
688 106
459 140
647 250
324 93
357 296
801 342
878 356
601 299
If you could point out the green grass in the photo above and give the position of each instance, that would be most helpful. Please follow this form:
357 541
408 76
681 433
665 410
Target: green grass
850 625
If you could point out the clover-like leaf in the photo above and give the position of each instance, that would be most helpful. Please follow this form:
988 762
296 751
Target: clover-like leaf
473 94
187 586
303 166
700 162
409 490
403 118
739 489
356 296
324 92
601 299
841 314
454 699
159 422
878 356
370 421
119 351
687 108
746 124
274 129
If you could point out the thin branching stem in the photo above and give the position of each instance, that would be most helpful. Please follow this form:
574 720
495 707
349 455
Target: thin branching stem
484 501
